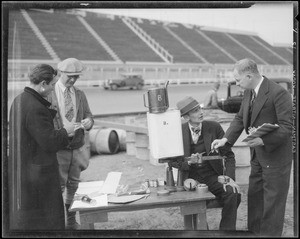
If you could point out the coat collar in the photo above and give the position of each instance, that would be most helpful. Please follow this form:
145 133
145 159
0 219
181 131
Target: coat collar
37 96
258 103
205 132
207 138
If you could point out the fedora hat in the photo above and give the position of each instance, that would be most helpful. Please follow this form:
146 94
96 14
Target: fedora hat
187 104
70 66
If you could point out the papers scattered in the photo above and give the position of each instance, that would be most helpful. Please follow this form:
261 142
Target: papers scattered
96 190
87 188
111 183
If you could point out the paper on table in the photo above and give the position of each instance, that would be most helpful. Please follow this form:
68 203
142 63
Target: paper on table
125 199
261 130
100 201
111 183
86 188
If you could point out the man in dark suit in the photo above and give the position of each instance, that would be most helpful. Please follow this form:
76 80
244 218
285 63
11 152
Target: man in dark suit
197 138
271 154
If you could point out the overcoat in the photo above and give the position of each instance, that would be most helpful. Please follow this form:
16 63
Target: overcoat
35 199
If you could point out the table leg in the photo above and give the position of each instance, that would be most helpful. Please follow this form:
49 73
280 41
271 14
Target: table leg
88 220
202 221
188 222
191 222
194 216
87 226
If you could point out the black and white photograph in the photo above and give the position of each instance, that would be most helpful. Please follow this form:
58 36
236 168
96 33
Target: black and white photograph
150 119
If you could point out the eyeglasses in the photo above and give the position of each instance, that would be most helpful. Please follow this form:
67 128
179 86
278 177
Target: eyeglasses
241 78
75 77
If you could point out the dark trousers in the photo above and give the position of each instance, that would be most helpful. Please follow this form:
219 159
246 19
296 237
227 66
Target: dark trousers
267 194
229 199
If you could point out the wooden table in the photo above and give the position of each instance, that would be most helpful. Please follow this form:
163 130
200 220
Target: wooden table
192 207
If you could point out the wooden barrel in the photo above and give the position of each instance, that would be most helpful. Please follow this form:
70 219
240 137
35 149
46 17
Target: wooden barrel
122 138
104 140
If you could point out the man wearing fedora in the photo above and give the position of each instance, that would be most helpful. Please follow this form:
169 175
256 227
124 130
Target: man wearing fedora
198 135
73 109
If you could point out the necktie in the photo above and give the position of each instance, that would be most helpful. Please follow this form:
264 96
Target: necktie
69 108
196 130
253 96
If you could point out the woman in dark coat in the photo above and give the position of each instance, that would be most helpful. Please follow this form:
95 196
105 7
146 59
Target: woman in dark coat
35 198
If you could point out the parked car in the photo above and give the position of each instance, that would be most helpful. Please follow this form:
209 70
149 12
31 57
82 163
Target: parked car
235 94
126 81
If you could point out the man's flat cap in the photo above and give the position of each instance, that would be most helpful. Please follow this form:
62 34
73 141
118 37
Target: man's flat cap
70 66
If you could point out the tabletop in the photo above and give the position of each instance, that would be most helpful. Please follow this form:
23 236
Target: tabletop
178 198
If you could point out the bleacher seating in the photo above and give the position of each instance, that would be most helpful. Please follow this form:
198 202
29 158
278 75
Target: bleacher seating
230 46
180 53
68 37
29 45
282 51
122 40
205 48
286 54
258 49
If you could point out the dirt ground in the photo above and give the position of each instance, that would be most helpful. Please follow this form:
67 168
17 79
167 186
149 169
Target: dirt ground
135 171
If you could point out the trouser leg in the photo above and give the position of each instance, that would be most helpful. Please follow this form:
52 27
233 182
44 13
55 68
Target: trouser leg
65 159
255 197
229 200
276 186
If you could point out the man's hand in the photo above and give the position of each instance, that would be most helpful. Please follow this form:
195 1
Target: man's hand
218 143
87 123
194 159
70 129
233 184
255 142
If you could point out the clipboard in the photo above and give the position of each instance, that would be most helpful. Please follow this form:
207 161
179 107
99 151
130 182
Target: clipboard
261 130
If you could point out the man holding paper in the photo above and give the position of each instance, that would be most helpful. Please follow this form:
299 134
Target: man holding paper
73 109
271 154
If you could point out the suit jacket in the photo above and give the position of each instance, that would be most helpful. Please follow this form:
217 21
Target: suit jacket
211 130
35 194
83 111
273 104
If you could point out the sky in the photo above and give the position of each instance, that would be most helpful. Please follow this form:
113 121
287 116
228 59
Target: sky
273 22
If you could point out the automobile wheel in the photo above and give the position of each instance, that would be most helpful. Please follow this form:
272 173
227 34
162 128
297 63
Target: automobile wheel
123 83
113 87
139 87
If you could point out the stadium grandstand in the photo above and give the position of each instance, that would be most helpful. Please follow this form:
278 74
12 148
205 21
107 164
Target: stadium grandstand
110 45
